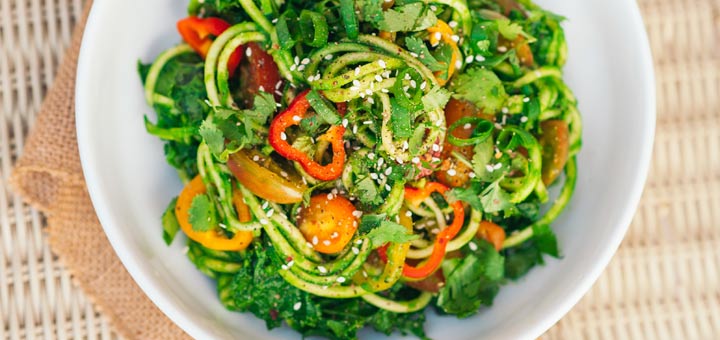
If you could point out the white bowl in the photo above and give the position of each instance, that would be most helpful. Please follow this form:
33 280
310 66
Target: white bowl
609 68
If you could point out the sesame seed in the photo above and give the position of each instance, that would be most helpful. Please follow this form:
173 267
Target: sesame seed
297 60
384 90
355 250
436 147
523 119
367 122
296 118
473 246
371 156
357 70
469 59
322 269
326 242
274 21
330 197
505 110
452 24
371 100
309 244
256 158
451 172
369 91
502 49
380 161
405 145
301 67
305 61
497 166
345 122
416 160
479 58
388 171
424 85
284 267
357 213
378 78
248 52
328 57
382 63
263 221
467 126
291 263
489 168
293 67
373 176
471 175
526 99
359 241
455 38
413 83
283 136
399 160
334 235
297 305
270 212
315 241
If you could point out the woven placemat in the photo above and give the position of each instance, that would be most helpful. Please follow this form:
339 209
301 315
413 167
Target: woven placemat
664 281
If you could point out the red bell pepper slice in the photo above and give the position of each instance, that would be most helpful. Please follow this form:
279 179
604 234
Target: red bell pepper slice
278 140
198 33
416 196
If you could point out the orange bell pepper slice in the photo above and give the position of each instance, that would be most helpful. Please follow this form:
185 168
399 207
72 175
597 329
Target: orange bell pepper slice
415 197
442 32
212 239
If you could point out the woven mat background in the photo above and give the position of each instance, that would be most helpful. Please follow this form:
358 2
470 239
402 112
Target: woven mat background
664 281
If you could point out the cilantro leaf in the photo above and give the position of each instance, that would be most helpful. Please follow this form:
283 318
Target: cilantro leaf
389 232
417 46
508 29
469 195
482 88
495 199
474 282
230 130
410 17
436 98
213 136
170 223
202 214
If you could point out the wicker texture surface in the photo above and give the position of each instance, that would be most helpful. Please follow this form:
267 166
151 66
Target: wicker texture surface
664 281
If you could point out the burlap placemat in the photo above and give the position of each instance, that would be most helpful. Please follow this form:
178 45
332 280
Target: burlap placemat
49 176
664 281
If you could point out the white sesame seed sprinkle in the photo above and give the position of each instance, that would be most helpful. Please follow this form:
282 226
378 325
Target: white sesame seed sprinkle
326 242
382 63
355 250
283 136
315 241
451 172
263 221
340 279
297 305
322 269
248 52
473 246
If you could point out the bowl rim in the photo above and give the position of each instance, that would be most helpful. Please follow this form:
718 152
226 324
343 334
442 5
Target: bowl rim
155 293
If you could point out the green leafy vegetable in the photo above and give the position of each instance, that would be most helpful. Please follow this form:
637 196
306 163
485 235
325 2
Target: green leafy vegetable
202 214
389 232
417 46
482 88
410 17
474 282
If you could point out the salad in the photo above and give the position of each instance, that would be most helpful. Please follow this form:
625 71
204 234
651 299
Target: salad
352 163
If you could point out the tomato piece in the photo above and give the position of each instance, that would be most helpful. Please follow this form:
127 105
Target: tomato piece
258 71
492 233
328 222
454 110
211 239
555 142
264 177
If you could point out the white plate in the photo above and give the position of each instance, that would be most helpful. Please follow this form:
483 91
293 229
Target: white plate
609 68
